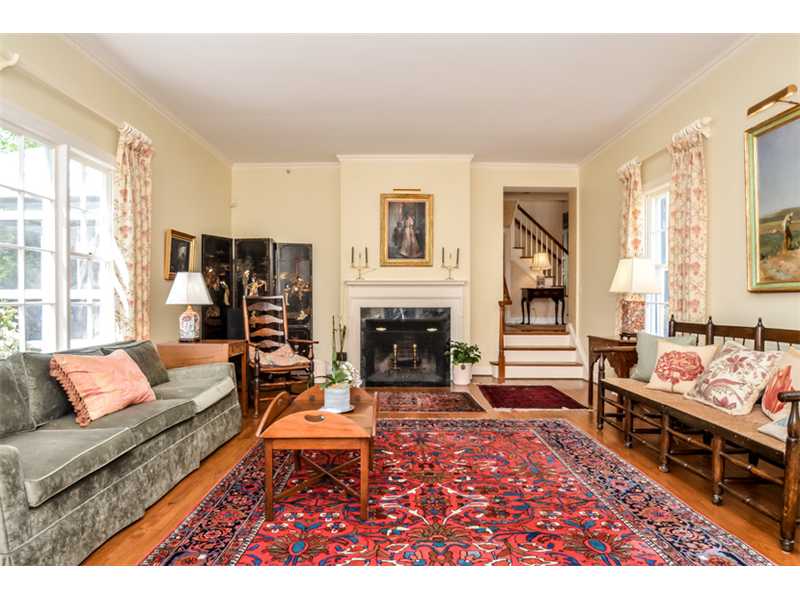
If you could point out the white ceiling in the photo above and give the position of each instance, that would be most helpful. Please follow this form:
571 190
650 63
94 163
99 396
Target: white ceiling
282 98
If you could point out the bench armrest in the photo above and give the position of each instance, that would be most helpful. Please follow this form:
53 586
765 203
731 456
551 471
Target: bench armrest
14 519
789 397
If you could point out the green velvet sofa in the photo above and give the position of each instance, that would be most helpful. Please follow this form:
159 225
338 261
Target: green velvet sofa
65 489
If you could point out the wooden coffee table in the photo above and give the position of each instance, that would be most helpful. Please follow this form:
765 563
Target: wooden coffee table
299 425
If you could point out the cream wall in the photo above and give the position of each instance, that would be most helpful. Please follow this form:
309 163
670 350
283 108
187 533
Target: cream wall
295 204
191 185
755 70
488 183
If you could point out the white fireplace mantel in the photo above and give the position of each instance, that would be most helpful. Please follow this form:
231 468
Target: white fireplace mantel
400 293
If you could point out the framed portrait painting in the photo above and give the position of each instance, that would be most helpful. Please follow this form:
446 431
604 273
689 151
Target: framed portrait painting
406 230
178 252
773 203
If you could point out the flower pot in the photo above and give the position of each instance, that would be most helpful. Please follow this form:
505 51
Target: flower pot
462 374
337 399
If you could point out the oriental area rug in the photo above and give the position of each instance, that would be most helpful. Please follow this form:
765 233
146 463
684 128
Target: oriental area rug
529 397
427 401
458 492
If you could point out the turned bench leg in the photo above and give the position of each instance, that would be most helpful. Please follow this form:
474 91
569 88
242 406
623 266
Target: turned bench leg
791 474
627 402
717 468
664 441
601 393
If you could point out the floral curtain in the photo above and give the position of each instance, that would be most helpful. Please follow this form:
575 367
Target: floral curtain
688 225
132 208
630 307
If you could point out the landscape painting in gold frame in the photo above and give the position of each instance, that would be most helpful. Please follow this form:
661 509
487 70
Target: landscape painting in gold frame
772 185
406 230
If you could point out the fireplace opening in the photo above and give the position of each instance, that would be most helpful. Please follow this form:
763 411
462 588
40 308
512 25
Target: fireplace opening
405 346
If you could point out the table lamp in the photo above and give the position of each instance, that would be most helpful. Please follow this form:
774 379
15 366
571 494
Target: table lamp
189 288
635 276
539 264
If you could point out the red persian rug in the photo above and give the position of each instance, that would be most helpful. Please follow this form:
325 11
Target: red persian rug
527 396
459 492
427 401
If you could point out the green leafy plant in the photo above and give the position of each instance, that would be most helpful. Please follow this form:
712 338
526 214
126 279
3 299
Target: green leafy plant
9 337
462 353
338 376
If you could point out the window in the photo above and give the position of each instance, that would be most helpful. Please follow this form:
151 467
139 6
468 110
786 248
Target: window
55 246
656 208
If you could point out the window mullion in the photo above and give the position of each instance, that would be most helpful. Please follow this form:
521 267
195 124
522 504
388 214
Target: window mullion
62 246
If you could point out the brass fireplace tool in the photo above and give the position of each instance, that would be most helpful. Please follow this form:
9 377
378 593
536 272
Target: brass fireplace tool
362 265
450 265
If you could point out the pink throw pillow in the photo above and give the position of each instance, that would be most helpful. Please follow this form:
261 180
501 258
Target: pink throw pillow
678 367
100 385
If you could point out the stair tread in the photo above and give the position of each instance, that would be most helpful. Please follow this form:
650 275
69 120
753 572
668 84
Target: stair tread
511 363
542 348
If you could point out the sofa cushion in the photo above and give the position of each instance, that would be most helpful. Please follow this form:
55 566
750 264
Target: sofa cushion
146 356
53 460
15 414
203 392
46 398
647 350
144 420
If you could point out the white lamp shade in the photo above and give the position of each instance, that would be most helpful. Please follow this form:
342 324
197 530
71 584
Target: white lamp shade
540 262
189 288
635 276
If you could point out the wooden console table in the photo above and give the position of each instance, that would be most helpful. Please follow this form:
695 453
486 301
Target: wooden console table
620 362
177 354
556 294
299 425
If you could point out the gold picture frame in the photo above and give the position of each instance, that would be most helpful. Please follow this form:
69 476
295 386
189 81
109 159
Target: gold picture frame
401 230
179 249
773 221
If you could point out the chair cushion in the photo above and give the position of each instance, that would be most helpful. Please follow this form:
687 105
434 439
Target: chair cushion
53 460
146 356
15 414
46 398
283 356
100 385
202 392
145 421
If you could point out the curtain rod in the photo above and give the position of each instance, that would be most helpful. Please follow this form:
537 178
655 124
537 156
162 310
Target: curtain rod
698 125
14 61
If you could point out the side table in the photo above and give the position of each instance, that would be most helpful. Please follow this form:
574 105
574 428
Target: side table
177 354
621 368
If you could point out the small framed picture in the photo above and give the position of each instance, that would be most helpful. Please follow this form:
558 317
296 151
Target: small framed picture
549 282
178 252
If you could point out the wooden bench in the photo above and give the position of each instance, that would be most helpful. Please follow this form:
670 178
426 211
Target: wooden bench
677 428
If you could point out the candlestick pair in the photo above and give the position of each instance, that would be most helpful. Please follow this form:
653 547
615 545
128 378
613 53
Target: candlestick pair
362 264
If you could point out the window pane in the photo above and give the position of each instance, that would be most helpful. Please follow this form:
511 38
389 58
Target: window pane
8 269
8 216
39 168
39 223
9 336
39 276
75 184
78 324
84 277
10 145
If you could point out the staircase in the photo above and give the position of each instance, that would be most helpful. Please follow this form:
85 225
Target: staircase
538 351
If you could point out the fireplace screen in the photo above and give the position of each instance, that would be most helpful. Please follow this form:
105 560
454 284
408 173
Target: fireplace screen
405 346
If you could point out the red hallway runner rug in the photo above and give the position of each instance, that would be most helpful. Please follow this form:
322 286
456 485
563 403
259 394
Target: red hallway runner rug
529 397
427 401
459 492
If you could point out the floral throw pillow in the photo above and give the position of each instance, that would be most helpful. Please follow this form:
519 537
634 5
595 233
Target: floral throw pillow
678 367
785 377
734 379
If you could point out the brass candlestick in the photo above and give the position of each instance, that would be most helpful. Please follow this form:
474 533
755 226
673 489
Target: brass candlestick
362 265
450 265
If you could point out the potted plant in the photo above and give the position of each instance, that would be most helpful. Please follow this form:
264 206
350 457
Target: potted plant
341 378
463 356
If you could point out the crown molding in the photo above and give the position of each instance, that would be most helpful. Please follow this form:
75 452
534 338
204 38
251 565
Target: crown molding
680 90
157 107
403 157
244 166
524 165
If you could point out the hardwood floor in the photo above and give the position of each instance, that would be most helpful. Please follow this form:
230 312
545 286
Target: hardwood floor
132 544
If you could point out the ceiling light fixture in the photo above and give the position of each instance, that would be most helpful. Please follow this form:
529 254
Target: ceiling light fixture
780 96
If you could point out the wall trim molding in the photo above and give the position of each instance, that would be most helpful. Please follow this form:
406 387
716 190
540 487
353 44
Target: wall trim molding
403 157
156 106
678 91
524 165
244 166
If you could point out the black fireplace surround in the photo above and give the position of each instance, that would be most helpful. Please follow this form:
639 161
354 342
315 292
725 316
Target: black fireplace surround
405 346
